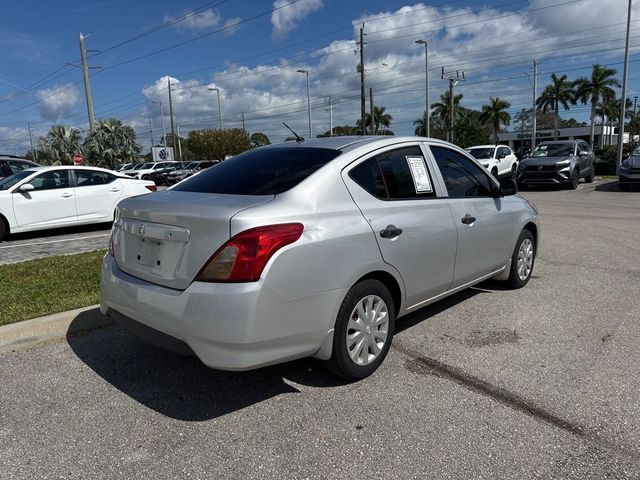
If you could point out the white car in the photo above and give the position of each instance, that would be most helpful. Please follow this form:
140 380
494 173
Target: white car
48 197
497 159
148 168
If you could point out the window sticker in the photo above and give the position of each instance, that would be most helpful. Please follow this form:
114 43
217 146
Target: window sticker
420 175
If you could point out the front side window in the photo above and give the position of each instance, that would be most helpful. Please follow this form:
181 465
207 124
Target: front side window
51 180
503 152
87 178
16 167
462 177
268 171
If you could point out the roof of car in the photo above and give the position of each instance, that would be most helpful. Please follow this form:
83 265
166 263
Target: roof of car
485 146
345 143
559 142
65 167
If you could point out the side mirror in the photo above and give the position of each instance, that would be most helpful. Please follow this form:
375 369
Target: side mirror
583 154
508 187
26 187
625 155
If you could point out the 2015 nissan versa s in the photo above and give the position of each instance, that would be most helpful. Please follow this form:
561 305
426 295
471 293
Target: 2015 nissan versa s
312 248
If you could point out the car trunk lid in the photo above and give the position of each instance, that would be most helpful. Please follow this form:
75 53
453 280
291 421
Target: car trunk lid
166 237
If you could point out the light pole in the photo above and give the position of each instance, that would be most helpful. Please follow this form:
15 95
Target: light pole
217 90
623 96
306 72
426 70
164 131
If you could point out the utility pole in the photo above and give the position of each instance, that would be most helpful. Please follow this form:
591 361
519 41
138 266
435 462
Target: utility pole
217 90
306 72
623 98
635 121
243 125
331 116
454 78
34 153
87 87
426 96
179 143
361 67
522 128
150 127
371 111
164 131
535 111
173 132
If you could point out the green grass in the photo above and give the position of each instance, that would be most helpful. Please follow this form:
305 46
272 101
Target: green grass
50 285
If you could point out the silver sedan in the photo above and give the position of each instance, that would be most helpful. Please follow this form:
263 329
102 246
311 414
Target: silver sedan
312 248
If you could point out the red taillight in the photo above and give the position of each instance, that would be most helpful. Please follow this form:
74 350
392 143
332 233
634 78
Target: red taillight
153 188
243 258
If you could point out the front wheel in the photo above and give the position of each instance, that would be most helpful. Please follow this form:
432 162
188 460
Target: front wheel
3 229
574 180
522 260
363 332
514 170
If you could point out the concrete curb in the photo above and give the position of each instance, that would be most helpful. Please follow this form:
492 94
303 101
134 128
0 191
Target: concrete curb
59 325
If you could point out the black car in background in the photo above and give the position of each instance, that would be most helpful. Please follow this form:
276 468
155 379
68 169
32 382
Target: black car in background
190 168
10 165
557 163
160 175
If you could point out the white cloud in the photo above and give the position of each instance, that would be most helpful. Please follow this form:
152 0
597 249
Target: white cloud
286 18
57 101
230 26
195 21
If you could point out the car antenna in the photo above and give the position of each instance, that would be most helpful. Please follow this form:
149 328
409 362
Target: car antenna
298 137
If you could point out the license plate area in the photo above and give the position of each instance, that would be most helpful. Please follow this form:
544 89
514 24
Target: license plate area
150 252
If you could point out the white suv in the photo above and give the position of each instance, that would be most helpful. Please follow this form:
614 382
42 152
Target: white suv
498 159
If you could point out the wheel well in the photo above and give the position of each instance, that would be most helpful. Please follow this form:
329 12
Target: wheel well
533 229
6 224
390 282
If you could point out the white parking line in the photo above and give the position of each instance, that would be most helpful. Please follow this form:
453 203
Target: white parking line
54 241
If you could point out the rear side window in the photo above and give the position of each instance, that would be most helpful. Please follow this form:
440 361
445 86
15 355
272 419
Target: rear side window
461 176
88 178
397 175
268 171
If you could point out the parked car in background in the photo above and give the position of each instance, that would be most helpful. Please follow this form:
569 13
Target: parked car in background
312 248
49 197
557 163
159 176
124 166
149 168
629 172
10 165
497 159
189 169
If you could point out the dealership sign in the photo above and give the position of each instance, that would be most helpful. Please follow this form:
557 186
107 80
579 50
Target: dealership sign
161 154
540 134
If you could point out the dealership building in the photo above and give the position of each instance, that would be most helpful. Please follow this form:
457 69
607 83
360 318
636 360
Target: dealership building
519 140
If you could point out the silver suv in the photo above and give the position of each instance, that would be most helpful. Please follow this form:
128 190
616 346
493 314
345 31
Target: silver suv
312 248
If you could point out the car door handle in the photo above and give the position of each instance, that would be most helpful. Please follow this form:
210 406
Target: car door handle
390 232
114 190
468 219
66 195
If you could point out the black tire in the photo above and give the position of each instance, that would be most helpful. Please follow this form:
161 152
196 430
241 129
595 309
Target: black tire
521 186
3 229
340 362
589 178
494 172
514 281
574 180
514 170
621 186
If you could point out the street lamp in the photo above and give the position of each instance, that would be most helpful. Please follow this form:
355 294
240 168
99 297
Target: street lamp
426 71
164 132
306 72
217 90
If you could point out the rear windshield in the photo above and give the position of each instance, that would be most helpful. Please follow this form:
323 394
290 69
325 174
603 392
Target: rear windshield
267 171
481 153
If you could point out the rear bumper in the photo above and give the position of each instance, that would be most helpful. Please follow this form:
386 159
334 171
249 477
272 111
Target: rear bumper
227 326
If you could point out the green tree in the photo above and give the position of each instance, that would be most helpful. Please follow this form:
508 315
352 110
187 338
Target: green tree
60 144
259 139
218 144
469 130
495 115
442 109
558 92
380 119
111 142
596 89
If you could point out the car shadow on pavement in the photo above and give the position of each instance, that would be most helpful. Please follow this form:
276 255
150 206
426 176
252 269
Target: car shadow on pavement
613 187
182 387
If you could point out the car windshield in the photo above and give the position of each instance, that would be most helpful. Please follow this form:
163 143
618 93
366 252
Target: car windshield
481 153
10 181
553 150
267 171
636 152
191 165
127 167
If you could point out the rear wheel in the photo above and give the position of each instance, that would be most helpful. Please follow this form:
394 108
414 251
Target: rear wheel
514 170
363 332
3 228
522 260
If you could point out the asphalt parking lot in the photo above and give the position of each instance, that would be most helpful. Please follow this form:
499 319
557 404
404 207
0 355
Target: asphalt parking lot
535 383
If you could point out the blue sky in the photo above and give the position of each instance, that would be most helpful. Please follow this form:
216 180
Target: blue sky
251 49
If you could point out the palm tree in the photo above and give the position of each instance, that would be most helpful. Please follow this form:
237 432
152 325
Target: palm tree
495 114
442 109
111 142
596 89
61 143
380 119
421 125
558 92
609 111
